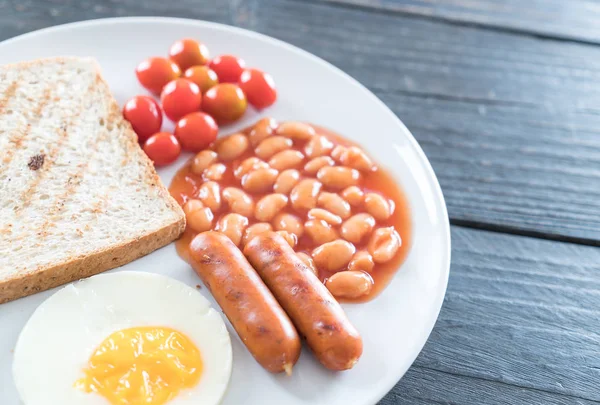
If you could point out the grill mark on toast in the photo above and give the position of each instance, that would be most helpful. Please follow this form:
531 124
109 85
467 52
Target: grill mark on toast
19 136
51 156
8 94
76 178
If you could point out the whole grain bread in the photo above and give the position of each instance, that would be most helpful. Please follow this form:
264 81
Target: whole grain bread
77 194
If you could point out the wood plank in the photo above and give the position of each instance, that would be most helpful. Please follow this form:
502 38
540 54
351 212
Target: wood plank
520 325
572 19
510 123
423 386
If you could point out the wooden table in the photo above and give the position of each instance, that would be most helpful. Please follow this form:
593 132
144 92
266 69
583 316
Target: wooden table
504 97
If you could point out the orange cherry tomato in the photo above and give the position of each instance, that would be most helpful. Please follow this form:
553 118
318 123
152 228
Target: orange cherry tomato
154 73
144 115
203 76
196 131
180 97
188 52
259 88
162 148
226 102
228 68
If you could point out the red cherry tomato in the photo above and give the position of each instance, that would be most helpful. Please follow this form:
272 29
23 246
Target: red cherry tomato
228 68
226 102
144 115
196 131
203 76
154 73
259 88
180 97
162 148
188 52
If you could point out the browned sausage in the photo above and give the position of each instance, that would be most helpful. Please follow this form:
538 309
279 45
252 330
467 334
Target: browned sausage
256 316
314 311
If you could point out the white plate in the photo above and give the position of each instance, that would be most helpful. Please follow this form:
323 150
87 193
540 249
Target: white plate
396 324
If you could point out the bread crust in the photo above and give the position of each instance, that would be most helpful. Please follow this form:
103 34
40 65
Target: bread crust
44 278
109 257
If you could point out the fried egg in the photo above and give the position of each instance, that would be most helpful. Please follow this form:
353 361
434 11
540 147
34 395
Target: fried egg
124 338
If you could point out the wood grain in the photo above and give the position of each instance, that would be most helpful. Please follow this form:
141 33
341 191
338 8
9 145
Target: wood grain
573 19
520 325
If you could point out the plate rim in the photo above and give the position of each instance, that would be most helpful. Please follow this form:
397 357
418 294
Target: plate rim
432 178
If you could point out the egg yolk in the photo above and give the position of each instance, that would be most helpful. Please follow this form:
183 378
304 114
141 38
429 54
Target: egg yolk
142 365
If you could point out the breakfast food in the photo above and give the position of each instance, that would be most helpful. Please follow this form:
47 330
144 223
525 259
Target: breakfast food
222 88
258 319
324 195
78 194
104 345
316 314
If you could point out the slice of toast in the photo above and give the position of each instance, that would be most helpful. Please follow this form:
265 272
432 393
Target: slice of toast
77 194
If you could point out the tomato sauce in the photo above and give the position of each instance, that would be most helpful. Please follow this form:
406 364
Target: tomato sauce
185 185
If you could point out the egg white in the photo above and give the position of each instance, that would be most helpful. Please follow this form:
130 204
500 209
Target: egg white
56 343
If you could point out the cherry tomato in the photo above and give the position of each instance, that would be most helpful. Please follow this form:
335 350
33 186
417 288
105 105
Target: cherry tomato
154 73
259 88
180 97
162 148
203 76
226 102
196 131
188 52
144 115
228 68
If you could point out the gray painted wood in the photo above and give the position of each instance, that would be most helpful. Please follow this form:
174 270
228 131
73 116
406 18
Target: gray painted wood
520 324
510 123
569 19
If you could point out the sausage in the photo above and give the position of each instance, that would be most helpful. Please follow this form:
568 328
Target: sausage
312 308
258 319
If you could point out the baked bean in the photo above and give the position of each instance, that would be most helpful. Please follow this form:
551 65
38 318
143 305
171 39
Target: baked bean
259 180
349 284
238 201
271 145
334 203
378 206
232 147
263 128
357 227
318 146
361 261
306 259
320 231
289 223
210 195
247 165
304 195
286 159
290 238
286 181
254 230
202 160
315 164
214 172
268 206
338 152
334 255
320 213
296 130
353 195
384 244
338 177
355 158
233 226
198 217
